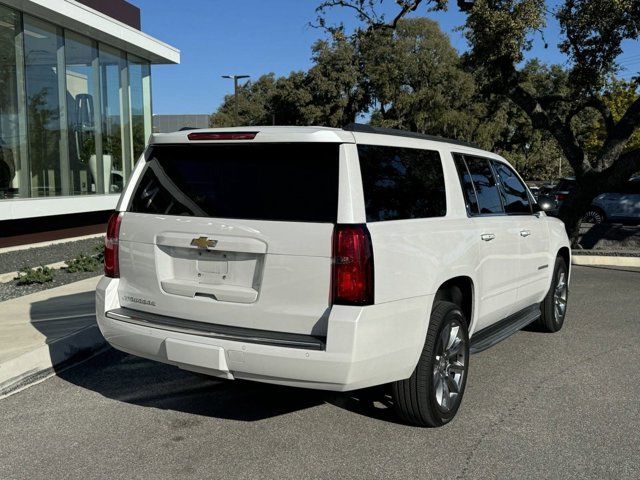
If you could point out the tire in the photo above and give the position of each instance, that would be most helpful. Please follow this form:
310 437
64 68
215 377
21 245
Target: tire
420 400
594 215
554 305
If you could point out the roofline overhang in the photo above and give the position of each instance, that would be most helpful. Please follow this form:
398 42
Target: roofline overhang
98 26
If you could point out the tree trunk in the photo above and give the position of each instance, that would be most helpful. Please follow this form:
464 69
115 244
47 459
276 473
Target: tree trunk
573 210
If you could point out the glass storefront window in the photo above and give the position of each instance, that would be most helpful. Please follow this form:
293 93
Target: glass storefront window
83 115
140 100
74 114
10 139
114 155
41 44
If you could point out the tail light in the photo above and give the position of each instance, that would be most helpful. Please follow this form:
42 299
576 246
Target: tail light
352 265
111 263
560 197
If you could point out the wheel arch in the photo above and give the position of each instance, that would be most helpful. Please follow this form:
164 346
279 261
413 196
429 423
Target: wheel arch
461 291
566 255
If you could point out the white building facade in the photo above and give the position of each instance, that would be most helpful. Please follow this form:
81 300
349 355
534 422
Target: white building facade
75 103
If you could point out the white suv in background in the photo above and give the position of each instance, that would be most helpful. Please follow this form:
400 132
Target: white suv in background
329 259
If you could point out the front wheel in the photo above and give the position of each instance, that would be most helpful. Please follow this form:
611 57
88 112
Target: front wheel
554 306
432 395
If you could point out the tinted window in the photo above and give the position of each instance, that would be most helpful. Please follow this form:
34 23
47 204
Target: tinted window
286 182
513 191
467 185
401 183
485 185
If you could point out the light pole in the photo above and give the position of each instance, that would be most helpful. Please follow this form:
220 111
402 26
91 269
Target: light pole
235 92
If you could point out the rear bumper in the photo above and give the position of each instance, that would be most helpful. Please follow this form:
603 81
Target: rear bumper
365 346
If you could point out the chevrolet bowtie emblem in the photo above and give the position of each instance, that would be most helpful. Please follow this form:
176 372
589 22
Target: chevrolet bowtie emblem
203 242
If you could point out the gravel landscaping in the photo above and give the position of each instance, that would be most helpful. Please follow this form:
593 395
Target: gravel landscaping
34 257
10 290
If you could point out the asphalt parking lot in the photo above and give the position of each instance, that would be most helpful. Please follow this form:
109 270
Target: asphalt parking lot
537 406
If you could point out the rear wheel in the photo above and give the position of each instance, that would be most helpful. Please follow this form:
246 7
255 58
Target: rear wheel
554 306
432 395
594 215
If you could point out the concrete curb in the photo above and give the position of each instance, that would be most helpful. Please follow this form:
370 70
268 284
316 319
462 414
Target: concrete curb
605 260
36 365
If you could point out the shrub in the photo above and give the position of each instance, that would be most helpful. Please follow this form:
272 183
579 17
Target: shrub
83 263
99 249
29 276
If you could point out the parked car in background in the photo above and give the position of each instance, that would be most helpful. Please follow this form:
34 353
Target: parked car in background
329 259
535 191
561 192
622 206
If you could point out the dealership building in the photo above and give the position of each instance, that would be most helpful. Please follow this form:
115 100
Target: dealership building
75 111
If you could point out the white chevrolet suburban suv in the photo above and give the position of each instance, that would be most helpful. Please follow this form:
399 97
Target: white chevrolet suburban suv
332 259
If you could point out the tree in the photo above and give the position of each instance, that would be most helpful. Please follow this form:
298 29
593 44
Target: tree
335 82
499 32
329 94
253 104
416 79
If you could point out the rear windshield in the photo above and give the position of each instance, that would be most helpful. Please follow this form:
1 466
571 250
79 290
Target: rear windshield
295 182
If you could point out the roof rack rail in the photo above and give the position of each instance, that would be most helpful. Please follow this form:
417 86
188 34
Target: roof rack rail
363 128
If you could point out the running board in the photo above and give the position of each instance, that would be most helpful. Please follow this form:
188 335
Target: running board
488 337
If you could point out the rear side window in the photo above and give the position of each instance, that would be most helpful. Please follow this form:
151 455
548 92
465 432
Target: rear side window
282 182
513 191
484 185
401 183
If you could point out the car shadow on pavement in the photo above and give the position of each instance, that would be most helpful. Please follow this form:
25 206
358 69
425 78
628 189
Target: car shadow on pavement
611 237
125 378
60 316
134 380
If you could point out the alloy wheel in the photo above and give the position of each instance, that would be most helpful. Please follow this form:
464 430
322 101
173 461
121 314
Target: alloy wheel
593 216
449 366
560 297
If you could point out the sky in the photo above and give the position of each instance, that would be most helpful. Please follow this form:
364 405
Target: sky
254 37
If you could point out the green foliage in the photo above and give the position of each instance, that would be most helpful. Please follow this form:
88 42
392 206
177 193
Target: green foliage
411 79
83 263
499 31
583 110
416 78
99 252
328 94
594 31
29 276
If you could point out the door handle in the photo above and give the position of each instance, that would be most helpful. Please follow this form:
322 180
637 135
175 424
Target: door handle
487 237
525 233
